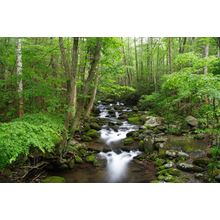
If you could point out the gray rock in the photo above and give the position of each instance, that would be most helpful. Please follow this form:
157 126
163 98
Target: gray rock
169 164
160 139
171 153
182 154
192 121
189 167
152 122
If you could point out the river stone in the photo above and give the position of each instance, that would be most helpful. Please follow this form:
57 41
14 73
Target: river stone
95 126
152 122
171 153
192 121
169 164
182 154
189 167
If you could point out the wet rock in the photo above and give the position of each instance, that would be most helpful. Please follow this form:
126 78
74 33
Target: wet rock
95 126
53 179
171 153
146 145
189 167
169 164
152 122
182 154
192 121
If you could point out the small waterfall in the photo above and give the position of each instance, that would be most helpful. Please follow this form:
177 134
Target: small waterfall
117 163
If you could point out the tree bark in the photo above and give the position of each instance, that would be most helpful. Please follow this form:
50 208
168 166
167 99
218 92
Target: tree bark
19 77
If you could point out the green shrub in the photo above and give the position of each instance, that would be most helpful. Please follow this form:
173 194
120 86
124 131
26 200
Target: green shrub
38 131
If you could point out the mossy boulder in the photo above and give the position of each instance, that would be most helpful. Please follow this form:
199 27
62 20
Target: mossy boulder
54 179
95 126
134 120
128 141
92 133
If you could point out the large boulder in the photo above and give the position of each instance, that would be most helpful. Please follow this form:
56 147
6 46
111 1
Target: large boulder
192 121
152 122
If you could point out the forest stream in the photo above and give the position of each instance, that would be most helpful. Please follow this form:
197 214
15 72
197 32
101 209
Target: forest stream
119 162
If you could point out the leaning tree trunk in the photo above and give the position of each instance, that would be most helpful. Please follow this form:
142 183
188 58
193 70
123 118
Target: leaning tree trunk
19 77
93 95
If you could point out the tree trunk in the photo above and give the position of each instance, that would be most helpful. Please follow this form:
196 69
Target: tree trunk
19 77
72 94
218 45
65 64
136 59
93 95
206 54
170 54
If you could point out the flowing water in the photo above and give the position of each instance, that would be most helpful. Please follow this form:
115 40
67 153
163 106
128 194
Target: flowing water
118 165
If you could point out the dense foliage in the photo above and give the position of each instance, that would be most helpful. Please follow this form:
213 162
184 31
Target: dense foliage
31 132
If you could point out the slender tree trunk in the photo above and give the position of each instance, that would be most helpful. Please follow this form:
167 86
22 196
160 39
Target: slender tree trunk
136 59
141 60
93 95
65 64
170 54
218 45
19 77
125 61
206 54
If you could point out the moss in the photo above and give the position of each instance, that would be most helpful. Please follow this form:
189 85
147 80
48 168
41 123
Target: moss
134 120
188 148
95 126
91 158
159 162
128 141
78 159
54 179
86 138
92 133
